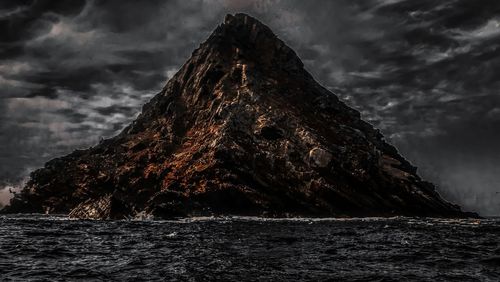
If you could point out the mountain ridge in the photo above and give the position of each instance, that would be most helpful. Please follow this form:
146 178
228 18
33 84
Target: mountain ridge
242 128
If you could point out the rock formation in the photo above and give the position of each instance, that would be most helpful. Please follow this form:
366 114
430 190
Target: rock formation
241 129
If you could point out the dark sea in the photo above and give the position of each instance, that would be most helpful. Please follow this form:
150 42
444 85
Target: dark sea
48 248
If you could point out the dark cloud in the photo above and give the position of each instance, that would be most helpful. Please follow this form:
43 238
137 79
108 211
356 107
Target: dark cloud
22 20
424 72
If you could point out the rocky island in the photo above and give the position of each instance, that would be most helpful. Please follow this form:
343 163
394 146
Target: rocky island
241 129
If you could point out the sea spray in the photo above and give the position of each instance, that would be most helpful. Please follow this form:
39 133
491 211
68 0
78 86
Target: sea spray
5 196
7 192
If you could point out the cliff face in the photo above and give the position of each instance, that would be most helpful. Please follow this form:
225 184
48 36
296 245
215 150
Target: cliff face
242 128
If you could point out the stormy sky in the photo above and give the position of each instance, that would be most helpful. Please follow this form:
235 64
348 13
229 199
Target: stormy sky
425 72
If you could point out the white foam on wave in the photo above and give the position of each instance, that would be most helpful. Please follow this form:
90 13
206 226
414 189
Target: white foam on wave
402 219
308 220
284 219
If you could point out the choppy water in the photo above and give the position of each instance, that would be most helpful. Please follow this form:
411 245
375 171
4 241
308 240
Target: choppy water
249 249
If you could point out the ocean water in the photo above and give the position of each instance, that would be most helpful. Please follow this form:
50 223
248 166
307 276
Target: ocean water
48 248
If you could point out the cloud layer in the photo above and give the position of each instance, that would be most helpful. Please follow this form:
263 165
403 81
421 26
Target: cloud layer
424 72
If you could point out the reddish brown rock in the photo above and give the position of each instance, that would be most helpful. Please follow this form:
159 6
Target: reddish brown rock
241 129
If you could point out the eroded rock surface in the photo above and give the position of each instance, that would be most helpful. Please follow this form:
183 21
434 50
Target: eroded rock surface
320 157
243 129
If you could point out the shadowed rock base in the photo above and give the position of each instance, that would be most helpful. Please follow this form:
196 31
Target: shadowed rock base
241 129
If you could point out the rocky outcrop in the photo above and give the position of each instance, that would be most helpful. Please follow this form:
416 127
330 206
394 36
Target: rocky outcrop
242 129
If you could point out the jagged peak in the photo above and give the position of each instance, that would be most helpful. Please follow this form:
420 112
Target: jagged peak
242 21
245 38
